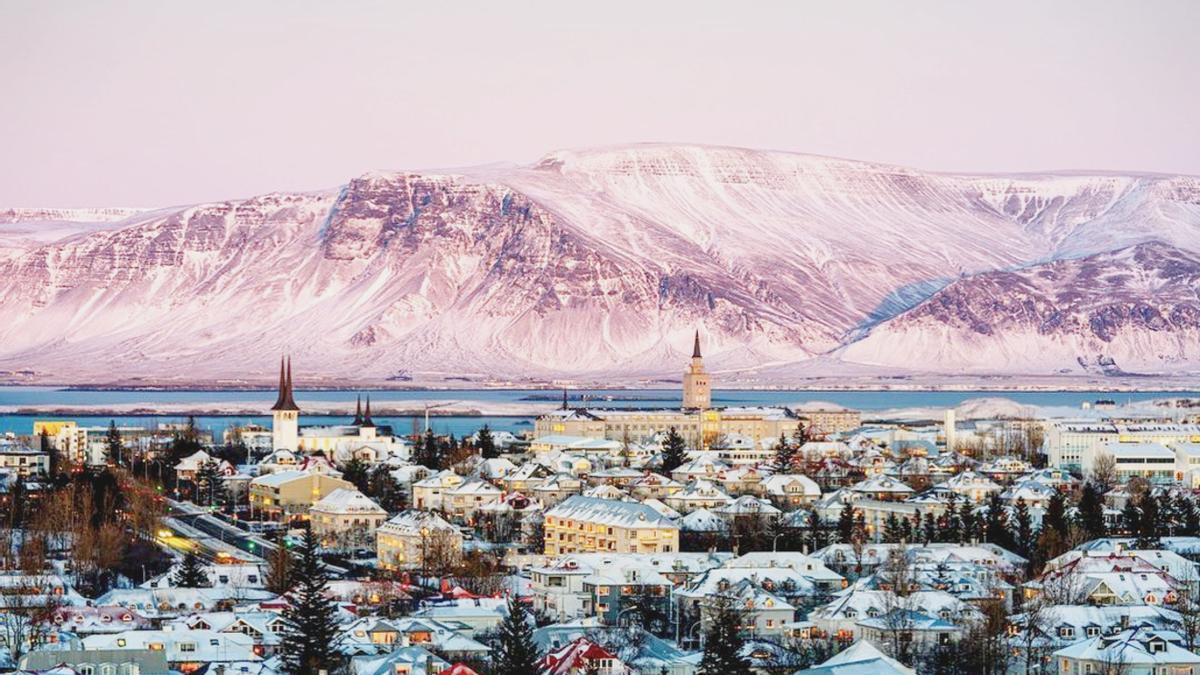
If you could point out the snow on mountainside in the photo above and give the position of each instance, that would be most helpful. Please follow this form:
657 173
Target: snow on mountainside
1134 309
595 263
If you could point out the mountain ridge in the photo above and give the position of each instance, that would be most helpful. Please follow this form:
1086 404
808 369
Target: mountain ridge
584 264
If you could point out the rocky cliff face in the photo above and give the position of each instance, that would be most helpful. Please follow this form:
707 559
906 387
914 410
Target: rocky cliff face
599 264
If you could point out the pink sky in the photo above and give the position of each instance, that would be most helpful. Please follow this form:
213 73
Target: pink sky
156 103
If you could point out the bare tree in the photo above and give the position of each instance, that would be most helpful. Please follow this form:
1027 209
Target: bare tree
1104 471
25 622
1188 607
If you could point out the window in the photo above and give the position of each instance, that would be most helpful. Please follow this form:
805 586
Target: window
187 646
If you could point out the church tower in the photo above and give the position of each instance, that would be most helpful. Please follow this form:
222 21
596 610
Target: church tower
697 392
285 414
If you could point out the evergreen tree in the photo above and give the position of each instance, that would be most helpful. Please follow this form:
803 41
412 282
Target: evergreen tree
785 456
1167 520
427 453
907 528
1056 514
952 529
516 653
931 529
891 529
1189 516
191 573
1022 526
970 523
723 642
995 528
845 524
674 452
385 490
310 621
1149 525
279 567
1091 512
355 471
487 444
210 484
113 446
1131 518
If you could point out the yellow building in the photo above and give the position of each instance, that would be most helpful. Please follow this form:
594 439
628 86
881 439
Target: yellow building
291 493
822 421
590 525
412 539
346 518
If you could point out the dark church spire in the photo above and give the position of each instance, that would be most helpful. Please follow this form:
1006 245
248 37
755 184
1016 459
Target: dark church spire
696 346
366 422
358 420
285 401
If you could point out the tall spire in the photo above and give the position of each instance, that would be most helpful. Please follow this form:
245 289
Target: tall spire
285 400
696 346
367 414
564 404
358 420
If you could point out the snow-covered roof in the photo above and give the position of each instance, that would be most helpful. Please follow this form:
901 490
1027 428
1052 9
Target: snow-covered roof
610 512
344 500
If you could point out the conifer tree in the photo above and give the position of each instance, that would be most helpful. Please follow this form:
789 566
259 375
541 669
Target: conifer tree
1189 516
1149 525
1022 526
674 451
113 444
785 456
279 567
891 529
516 653
355 471
383 487
952 530
723 642
995 528
210 484
845 524
191 573
1091 512
1131 518
487 444
931 529
310 621
427 453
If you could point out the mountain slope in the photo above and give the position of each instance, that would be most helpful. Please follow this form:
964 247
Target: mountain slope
1136 309
594 264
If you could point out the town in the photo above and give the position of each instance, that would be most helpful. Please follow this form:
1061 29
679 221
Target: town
703 539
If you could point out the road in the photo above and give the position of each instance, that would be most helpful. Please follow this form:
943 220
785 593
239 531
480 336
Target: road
193 529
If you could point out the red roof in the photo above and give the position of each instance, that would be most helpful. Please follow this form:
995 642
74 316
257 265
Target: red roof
574 656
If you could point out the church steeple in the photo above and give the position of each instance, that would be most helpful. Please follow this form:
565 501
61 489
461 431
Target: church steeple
358 418
366 421
696 346
285 401
697 393
564 403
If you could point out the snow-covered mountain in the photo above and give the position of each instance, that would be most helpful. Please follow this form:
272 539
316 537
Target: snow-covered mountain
1134 309
593 264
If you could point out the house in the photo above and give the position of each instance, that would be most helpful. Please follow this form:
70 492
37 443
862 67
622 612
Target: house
292 493
187 468
585 524
414 538
861 657
23 460
1137 651
582 657
346 519
464 500
912 626
790 491
974 486
185 650
428 492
